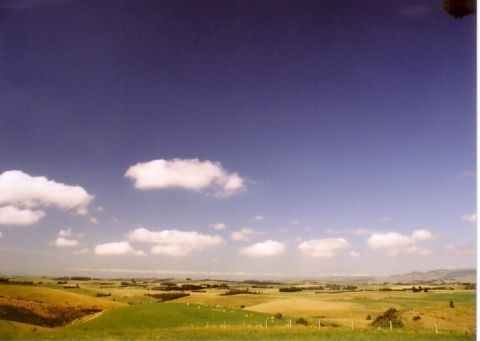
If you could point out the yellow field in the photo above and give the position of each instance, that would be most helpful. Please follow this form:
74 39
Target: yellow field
346 311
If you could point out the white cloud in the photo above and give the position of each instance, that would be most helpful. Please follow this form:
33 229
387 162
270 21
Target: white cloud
81 252
422 235
394 243
461 250
354 254
359 231
69 233
64 242
470 218
22 190
174 242
467 173
259 217
189 174
267 248
391 243
171 250
355 231
65 233
243 234
93 220
117 249
218 226
322 248
384 219
10 215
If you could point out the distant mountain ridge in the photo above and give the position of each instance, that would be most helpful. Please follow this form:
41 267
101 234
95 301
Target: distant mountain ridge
445 275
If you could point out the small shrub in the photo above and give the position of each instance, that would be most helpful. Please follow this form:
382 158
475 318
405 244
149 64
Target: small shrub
242 306
451 305
368 317
278 316
289 289
101 294
233 291
383 321
168 296
416 318
301 321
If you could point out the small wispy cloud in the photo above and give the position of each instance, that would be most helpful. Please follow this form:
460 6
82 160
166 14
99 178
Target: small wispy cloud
218 226
467 174
268 248
469 218
355 231
244 234
258 217
322 248
461 250
354 254
93 220
384 219
117 249
65 242
65 233
81 252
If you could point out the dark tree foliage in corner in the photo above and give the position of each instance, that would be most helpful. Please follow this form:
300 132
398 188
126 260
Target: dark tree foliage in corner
459 8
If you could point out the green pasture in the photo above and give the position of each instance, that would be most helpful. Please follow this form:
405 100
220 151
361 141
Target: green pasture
211 316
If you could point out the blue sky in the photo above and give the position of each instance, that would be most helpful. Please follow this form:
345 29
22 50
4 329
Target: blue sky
317 137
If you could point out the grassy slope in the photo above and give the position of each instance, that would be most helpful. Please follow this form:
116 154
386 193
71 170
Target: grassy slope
175 320
58 297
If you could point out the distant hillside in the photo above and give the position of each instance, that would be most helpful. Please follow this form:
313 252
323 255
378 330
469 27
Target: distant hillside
461 275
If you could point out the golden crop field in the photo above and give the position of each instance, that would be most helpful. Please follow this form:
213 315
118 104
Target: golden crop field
134 310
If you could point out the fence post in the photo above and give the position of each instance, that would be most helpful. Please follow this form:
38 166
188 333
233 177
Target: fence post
353 326
436 327
391 327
